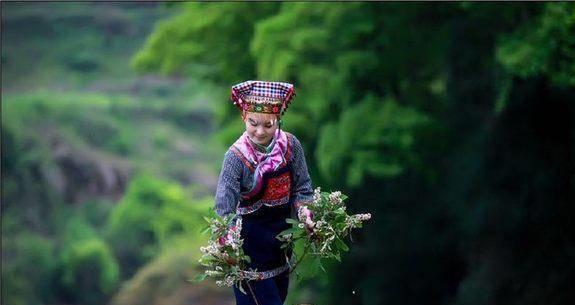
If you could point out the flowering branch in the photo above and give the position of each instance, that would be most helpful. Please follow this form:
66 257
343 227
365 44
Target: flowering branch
323 225
224 257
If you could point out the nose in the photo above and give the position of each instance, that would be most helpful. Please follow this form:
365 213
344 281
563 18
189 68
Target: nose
260 132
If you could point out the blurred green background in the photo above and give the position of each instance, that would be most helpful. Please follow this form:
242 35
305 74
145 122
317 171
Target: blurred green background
452 123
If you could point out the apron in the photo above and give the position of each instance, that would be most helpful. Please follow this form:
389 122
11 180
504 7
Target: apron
263 218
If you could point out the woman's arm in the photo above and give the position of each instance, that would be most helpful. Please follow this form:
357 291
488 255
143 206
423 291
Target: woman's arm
228 190
302 189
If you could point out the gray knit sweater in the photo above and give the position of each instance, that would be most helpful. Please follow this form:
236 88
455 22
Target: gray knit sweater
236 177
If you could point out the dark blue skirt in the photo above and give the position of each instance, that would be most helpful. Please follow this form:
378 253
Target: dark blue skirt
259 231
272 291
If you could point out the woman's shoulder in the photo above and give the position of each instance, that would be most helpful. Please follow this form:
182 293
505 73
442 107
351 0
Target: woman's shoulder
231 156
292 139
295 149
236 158
295 140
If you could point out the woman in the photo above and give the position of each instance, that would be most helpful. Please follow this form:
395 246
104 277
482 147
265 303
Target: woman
264 178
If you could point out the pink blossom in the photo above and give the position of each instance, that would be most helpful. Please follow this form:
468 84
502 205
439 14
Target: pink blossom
305 213
226 240
306 216
222 241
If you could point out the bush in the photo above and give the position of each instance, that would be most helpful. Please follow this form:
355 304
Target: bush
27 267
164 280
90 272
153 214
83 62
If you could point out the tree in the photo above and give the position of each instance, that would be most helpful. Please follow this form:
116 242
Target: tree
410 109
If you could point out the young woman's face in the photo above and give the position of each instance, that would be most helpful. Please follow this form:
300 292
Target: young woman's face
261 127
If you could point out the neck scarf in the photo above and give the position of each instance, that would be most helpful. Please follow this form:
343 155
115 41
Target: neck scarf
265 162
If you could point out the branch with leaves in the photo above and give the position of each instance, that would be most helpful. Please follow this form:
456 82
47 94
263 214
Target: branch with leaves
224 257
322 227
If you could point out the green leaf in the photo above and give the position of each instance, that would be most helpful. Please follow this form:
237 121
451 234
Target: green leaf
337 257
341 245
292 221
205 230
198 278
321 265
289 231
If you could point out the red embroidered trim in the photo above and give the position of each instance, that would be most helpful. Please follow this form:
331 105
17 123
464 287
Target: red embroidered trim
289 146
278 187
243 158
262 108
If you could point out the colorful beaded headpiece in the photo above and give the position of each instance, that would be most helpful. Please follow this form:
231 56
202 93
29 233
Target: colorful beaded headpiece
263 96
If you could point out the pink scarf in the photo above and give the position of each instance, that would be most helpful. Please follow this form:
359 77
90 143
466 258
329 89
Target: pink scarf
264 162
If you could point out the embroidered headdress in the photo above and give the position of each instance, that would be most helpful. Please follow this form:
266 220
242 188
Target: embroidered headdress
263 96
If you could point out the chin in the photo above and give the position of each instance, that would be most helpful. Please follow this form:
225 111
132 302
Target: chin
262 141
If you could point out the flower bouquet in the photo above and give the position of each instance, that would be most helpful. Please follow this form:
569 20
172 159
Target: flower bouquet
322 227
224 256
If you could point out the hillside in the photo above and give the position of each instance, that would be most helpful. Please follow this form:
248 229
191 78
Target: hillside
79 126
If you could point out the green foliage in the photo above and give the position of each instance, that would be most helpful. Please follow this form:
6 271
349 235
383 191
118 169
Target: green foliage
70 45
152 214
74 115
310 266
90 272
379 87
165 279
223 256
310 43
323 225
380 145
231 130
86 123
27 266
185 43
26 166
82 62
78 229
109 128
341 51
543 46
395 103
210 41
83 116
418 109
360 112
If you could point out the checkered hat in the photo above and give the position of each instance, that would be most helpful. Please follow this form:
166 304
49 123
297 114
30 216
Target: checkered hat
263 96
